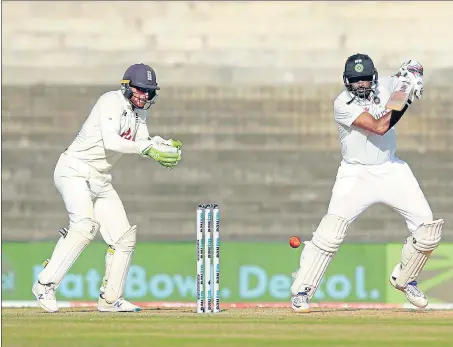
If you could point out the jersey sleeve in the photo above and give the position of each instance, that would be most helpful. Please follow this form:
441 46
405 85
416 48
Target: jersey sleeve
110 109
346 114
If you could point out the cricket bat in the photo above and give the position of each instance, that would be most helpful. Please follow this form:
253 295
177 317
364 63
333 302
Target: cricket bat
400 95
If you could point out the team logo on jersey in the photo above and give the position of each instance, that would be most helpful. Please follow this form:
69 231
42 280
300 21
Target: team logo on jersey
127 134
376 100
358 67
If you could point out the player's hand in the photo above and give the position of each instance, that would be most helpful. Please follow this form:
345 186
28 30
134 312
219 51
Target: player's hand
411 66
177 144
417 85
413 71
418 88
167 156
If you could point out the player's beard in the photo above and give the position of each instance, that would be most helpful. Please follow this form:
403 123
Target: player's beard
360 94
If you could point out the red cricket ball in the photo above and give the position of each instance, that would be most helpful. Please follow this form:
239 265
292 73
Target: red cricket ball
295 242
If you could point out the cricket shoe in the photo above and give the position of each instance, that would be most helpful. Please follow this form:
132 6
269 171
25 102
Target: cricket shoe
413 293
45 294
120 305
300 303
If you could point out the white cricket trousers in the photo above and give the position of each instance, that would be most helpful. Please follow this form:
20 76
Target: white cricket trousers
88 193
359 186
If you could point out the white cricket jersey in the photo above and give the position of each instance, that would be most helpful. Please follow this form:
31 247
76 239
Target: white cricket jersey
359 145
111 129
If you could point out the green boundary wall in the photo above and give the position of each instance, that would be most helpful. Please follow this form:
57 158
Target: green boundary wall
250 272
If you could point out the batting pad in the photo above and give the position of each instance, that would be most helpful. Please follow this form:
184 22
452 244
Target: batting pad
67 251
318 253
120 263
417 250
108 267
57 246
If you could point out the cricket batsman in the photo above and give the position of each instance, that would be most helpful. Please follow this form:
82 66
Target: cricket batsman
371 173
115 126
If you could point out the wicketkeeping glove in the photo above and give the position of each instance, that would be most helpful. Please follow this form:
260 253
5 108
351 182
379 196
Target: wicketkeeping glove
163 151
176 144
159 140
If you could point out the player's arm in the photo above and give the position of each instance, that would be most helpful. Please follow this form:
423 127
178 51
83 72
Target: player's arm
352 114
110 109
110 112
379 126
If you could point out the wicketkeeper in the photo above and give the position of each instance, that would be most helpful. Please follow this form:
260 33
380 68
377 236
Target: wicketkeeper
115 126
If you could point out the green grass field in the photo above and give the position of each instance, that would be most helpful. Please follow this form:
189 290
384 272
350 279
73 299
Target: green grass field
231 327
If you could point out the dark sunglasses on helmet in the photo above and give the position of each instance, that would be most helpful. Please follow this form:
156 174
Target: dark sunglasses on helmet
151 92
361 78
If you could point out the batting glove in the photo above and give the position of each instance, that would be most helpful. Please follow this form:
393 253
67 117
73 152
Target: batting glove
413 71
411 66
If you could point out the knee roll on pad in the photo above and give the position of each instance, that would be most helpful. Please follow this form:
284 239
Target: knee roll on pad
330 233
127 241
417 250
86 227
119 266
318 253
427 236
68 250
